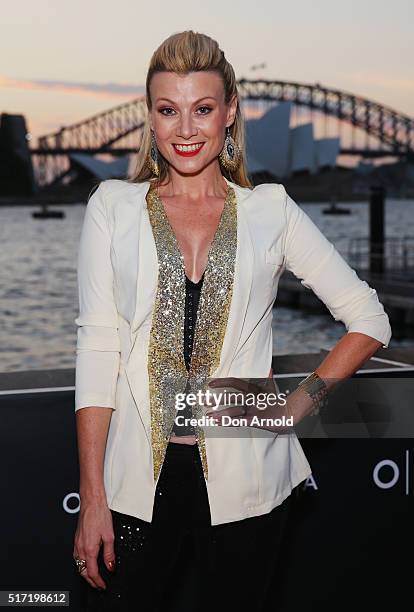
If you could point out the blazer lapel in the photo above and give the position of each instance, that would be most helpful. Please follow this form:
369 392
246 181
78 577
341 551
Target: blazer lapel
138 253
243 276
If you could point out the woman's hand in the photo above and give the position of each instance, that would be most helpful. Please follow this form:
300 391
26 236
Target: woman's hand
266 407
254 404
94 528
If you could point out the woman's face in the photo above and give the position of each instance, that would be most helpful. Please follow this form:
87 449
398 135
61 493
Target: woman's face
189 110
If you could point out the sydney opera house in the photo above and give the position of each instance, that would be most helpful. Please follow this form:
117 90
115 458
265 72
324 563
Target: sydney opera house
273 146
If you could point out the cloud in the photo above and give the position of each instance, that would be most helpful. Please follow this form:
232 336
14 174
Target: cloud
381 80
109 89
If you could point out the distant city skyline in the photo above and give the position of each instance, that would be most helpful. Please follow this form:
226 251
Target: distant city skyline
61 63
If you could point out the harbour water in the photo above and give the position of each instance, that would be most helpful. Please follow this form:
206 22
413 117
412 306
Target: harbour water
38 293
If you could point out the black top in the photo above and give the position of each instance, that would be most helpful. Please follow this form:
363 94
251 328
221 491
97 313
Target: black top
192 297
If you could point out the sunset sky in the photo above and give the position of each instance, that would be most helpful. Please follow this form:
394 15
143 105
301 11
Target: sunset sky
61 62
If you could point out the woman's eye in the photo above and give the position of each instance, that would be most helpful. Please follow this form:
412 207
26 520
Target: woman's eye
166 109
207 108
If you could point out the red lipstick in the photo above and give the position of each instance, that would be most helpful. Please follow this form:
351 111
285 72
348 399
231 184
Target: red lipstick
189 153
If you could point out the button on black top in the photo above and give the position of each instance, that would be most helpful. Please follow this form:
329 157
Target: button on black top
192 297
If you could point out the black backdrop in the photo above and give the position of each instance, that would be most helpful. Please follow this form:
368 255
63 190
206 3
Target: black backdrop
348 541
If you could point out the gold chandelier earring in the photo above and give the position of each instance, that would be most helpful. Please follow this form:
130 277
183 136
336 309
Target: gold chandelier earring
152 159
230 155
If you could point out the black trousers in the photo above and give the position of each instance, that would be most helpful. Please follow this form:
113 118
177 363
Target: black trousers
180 561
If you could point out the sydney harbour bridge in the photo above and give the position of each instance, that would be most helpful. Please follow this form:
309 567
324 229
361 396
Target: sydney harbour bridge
366 128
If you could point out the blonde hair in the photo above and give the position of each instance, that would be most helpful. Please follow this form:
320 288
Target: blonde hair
182 53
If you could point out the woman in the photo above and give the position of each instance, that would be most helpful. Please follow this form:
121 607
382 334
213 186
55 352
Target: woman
188 240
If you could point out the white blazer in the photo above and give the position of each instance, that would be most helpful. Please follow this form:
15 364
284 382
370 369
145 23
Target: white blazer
248 474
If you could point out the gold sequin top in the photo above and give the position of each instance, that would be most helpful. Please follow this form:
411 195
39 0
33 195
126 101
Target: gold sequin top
167 371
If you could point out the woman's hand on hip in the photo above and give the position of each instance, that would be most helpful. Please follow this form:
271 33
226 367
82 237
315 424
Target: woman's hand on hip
255 404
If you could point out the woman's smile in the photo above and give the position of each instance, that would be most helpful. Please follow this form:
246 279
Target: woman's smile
188 150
